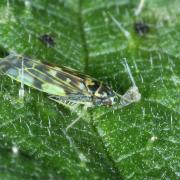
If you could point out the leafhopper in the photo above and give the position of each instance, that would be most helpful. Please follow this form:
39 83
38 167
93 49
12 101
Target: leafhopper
63 84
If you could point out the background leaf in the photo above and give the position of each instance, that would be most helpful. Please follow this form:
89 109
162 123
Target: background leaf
140 141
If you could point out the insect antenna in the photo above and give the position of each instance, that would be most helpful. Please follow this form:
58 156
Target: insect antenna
126 66
132 94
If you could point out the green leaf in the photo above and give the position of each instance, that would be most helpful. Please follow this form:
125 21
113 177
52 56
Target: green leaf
140 141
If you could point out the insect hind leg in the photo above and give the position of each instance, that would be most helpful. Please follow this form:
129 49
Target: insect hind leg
74 107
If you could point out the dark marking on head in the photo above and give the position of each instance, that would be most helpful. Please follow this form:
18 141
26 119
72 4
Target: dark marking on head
105 90
47 40
94 86
98 89
141 28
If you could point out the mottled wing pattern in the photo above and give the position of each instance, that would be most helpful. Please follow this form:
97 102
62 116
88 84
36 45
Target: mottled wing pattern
58 81
63 84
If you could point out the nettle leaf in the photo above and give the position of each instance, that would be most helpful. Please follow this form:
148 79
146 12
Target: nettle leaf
140 141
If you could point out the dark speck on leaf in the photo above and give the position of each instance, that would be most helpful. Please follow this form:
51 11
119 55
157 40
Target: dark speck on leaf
47 40
141 28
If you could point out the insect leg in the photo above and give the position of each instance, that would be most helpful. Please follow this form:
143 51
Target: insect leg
21 74
62 100
73 106
78 118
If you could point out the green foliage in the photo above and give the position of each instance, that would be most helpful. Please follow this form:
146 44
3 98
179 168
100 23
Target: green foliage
140 141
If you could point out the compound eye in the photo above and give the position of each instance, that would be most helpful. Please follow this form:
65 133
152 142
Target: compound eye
108 102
